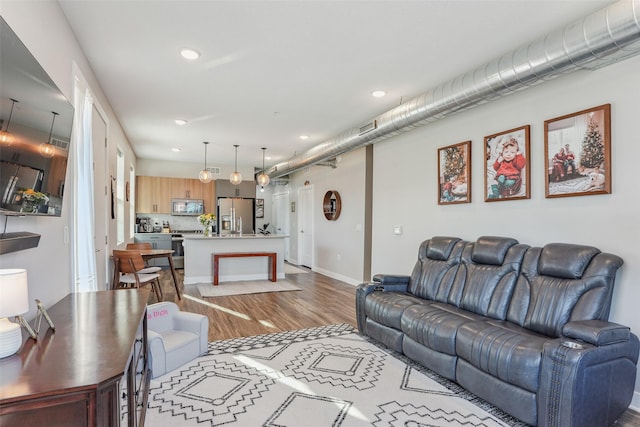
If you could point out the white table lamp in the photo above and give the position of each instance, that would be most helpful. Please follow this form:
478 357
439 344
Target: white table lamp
14 301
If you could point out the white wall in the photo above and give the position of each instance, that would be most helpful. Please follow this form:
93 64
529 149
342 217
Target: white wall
405 182
43 29
338 245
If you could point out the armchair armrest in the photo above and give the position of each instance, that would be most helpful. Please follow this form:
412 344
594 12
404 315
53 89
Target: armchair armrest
156 352
596 332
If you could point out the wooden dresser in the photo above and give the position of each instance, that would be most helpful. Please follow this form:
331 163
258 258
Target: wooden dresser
81 374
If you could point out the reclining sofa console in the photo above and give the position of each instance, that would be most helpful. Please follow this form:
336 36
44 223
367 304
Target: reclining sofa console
524 328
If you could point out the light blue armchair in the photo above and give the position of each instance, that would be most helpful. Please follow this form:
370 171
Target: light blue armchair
175 337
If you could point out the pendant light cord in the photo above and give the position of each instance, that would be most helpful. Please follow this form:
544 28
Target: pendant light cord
52 122
13 103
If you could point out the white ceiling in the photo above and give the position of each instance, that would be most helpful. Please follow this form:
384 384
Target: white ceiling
273 70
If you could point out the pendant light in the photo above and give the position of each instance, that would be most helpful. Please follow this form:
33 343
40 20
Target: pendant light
46 149
205 175
7 138
263 178
236 177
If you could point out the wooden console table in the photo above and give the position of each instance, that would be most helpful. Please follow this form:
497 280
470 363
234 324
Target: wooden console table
89 372
273 258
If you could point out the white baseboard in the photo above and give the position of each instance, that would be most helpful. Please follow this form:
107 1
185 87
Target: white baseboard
349 280
635 401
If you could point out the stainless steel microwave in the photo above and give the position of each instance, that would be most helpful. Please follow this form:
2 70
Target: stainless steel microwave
187 206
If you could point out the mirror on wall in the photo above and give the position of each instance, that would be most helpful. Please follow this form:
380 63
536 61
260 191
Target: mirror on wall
35 133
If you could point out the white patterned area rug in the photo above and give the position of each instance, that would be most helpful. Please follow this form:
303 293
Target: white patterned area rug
317 377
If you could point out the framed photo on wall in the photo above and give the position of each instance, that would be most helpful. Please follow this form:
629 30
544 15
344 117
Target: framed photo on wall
577 153
259 208
454 174
507 172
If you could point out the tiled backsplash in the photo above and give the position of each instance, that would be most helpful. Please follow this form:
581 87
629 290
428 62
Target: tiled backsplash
182 223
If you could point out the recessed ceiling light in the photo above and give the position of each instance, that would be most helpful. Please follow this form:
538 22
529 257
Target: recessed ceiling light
190 54
176 150
180 122
378 93
304 137
268 158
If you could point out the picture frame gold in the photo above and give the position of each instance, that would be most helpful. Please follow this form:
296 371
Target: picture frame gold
586 168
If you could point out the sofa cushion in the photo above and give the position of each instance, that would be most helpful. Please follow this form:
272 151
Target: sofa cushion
503 350
487 287
440 248
386 308
545 302
565 261
434 272
435 325
491 250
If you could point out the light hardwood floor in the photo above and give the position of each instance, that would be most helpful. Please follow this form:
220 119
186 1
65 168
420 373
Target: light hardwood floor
322 301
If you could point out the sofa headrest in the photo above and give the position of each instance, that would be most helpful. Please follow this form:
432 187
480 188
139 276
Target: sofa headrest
439 247
565 260
491 249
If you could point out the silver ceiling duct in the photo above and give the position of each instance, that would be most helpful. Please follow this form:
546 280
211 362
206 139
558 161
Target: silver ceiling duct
597 40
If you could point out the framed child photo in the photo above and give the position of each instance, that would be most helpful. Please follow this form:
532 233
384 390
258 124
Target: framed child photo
507 172
454 174
577 153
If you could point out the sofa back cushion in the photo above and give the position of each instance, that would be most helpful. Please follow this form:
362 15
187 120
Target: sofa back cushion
561 283
487 275
435 270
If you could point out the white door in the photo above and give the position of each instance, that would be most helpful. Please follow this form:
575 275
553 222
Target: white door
280 218
305 226
99 140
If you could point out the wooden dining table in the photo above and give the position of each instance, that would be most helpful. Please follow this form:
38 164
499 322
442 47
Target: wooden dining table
148 254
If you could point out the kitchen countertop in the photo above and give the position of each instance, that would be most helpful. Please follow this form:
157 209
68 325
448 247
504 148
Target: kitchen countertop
234 236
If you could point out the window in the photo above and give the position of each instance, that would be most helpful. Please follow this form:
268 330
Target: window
120 196
131 197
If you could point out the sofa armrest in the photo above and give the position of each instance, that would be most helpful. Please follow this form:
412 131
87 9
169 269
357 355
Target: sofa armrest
583 385
392 279
385 283
596 332
194 323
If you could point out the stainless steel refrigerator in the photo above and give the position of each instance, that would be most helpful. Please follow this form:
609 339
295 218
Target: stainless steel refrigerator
236 215
14 178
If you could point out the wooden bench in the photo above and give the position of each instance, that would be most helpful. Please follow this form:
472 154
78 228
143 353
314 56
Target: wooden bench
273 258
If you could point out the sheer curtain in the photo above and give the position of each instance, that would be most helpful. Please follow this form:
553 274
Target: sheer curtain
84 261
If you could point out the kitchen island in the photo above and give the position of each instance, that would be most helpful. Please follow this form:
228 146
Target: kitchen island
199 250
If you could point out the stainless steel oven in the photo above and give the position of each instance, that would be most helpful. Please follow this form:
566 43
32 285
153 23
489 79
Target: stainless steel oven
178 250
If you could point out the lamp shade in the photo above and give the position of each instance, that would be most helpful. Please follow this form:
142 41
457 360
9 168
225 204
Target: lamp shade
14 292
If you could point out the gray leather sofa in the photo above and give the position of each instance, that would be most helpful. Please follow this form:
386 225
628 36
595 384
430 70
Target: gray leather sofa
524 328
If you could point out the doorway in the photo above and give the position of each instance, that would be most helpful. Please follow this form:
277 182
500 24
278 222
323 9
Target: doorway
280 218
100 236
305 226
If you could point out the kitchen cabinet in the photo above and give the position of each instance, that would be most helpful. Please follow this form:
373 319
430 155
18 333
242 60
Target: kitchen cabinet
153 194
246 189
93 370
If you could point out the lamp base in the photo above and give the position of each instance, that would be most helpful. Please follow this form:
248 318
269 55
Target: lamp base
10 337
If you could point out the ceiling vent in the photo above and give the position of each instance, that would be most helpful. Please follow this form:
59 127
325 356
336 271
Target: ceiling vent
368 127
60 143
214 170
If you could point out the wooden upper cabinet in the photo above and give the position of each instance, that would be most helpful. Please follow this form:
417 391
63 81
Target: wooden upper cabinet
154 194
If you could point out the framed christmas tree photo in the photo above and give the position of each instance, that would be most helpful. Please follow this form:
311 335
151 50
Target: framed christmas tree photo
577 153
454 174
